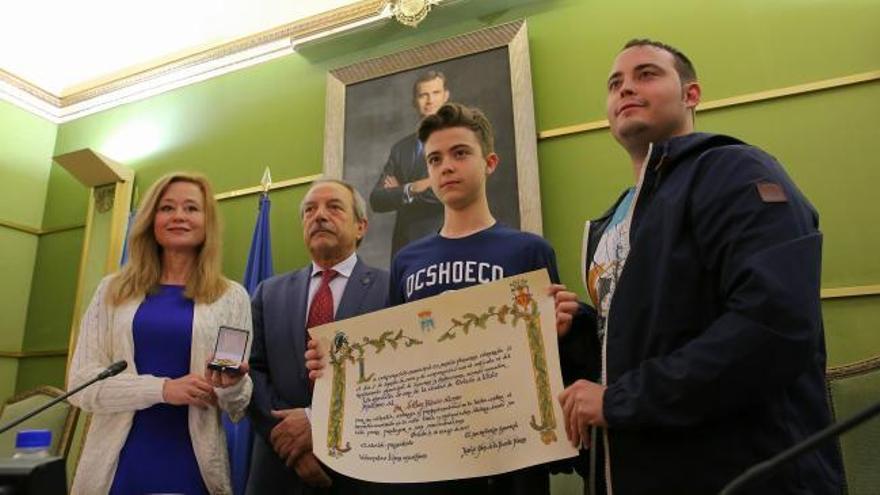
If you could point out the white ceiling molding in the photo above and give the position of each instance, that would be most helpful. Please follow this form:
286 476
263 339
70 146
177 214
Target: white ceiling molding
207 64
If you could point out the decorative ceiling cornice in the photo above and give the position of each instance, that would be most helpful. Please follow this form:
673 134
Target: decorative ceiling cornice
31 89
303 28
223 58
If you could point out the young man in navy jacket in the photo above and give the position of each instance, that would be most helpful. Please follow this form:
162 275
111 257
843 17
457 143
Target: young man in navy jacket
707 354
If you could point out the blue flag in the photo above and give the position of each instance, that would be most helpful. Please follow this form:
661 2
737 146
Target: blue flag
239 436
124 258
259 263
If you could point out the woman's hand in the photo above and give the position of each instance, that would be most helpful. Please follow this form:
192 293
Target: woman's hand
189 390
228 378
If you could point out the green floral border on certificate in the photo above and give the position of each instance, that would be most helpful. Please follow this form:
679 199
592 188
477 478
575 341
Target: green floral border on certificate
341 353
524 308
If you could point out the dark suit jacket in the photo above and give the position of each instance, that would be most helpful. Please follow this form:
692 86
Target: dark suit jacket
421 217
278 364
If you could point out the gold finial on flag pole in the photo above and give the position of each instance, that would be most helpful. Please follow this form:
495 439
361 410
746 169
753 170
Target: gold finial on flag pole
266 181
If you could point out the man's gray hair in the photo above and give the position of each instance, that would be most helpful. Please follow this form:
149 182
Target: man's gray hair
360 206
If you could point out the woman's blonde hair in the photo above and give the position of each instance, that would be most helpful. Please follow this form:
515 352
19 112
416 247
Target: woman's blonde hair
141 274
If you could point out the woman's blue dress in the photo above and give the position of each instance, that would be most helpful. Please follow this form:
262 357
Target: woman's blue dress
158 455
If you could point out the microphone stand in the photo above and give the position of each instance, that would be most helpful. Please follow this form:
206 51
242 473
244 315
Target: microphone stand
762 469
104 374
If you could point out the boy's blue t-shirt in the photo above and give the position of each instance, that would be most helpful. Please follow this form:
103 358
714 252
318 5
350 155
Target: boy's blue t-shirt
436 264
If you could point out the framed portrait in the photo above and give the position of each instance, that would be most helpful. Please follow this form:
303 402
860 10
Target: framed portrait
373 110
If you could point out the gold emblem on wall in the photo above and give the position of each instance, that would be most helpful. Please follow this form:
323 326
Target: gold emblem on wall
411 12
104 196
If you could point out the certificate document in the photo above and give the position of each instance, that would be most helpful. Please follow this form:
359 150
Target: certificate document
459 385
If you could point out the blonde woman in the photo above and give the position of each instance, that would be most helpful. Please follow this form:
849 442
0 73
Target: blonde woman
156 426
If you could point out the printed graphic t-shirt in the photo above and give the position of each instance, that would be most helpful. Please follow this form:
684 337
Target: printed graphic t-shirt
608 260
436 264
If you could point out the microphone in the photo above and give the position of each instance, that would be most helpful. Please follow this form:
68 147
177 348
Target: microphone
112 370
764 468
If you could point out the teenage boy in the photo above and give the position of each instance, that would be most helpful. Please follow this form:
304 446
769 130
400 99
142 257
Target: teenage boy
471 248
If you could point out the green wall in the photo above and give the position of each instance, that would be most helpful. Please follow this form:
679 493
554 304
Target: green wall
233 126
25 155
54 281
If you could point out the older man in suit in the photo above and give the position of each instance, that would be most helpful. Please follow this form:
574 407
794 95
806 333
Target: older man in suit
335 286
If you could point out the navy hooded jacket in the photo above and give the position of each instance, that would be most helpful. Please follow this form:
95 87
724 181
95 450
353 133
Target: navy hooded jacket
715 355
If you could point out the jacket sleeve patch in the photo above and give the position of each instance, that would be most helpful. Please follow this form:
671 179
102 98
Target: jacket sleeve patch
771 192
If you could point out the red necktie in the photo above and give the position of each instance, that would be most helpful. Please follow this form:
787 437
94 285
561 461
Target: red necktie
321 310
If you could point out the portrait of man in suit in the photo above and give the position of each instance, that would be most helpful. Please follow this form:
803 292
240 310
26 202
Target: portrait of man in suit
334 286
382 158
403 185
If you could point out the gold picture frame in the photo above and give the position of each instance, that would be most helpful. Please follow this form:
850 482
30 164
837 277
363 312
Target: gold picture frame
489 68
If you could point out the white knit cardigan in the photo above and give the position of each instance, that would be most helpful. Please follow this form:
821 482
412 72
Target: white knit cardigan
105 337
